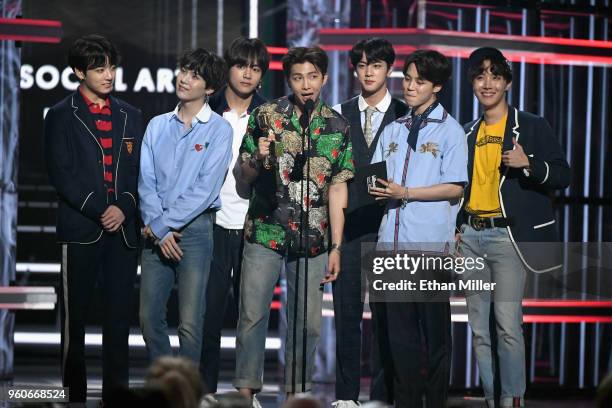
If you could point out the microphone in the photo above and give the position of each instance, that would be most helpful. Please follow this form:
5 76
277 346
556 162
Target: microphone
305 117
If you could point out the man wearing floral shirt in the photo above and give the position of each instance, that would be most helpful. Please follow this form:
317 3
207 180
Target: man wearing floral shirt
287 178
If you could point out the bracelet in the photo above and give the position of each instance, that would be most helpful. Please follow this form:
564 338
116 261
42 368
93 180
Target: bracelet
335 246
405 197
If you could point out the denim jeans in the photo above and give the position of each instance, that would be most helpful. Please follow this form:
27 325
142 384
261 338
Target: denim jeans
156 283
498 340
260 272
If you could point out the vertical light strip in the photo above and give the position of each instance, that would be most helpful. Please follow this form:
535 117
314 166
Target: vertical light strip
596 354
468 357
220 9
368 13
487 16
335 59
422 14
562 354
532 357
509 32
587 142
581 355
602 160
468 333
474 99
586 192
541 112
194 23
522 80
602 134
64 272
253 18
457 79
179 27
569 116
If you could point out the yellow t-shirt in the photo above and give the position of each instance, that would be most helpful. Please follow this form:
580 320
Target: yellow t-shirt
484 198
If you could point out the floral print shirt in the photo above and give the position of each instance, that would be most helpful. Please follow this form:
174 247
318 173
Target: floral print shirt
277 202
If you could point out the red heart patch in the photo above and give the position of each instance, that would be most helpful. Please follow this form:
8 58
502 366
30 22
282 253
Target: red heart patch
198 147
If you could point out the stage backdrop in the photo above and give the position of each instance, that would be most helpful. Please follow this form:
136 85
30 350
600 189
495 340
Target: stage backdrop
149 39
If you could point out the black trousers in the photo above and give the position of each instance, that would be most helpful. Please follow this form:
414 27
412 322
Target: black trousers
382 378
348 313
111 264
224 274
410 328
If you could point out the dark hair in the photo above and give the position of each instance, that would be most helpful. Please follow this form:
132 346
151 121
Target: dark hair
247 51
178 379
299 55
92 51
498 67
207 65
431 66
375 49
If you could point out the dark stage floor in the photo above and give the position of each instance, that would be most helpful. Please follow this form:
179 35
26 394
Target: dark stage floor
38 364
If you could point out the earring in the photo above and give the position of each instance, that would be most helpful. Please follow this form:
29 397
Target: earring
259 85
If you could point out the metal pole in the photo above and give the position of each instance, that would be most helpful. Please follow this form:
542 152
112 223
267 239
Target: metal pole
253 18
194 23
422 14
220 27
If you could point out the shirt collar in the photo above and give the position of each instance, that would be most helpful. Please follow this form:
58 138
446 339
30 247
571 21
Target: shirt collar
436 114
90 103
382 106
203 115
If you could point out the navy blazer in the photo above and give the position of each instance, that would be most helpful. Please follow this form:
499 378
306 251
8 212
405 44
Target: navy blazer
75 163
526 200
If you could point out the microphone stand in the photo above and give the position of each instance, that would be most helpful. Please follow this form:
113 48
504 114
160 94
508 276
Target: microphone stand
306 256
305 125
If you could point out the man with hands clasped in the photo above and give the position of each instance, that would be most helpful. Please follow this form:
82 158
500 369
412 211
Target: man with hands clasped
92 145
184 160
